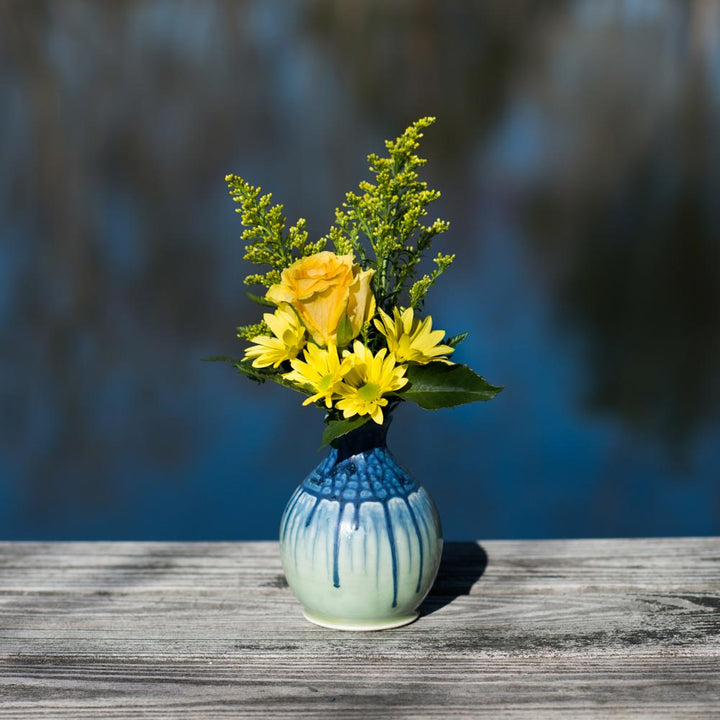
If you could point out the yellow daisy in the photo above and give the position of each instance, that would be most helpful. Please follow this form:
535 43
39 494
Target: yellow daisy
369 378
322 371
412 339
289 339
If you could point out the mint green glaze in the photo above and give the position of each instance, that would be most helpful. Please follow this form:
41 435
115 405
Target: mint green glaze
360 540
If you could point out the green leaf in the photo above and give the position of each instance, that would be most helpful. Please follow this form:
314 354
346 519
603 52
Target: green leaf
260 300
344 331
438 385
260 375
337 428
455 340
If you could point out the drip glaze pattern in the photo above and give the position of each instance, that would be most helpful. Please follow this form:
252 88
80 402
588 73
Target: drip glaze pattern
360 539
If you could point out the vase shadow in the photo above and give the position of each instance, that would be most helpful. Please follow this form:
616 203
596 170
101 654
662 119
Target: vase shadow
462 565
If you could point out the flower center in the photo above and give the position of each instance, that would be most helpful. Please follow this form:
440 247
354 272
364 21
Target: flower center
369 392
326 382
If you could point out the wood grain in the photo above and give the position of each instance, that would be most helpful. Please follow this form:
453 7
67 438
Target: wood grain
533 629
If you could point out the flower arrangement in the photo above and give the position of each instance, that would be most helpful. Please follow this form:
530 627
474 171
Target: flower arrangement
345 327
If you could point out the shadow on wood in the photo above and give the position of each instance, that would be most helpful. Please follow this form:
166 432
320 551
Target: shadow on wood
462 565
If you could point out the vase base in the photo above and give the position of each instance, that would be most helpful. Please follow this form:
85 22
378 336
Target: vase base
367 626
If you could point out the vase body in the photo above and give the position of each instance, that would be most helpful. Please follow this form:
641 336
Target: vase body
360 540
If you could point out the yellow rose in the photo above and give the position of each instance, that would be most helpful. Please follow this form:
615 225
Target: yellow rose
330 294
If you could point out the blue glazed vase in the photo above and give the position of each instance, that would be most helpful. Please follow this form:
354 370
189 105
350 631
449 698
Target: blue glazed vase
360 540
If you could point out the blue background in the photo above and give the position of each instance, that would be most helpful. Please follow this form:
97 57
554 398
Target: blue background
578 155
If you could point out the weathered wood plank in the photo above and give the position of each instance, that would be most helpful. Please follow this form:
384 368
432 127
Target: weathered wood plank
581 629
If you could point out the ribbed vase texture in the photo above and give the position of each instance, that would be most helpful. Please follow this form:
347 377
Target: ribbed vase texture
360 540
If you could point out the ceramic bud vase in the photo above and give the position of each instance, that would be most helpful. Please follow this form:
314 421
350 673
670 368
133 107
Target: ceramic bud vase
360 540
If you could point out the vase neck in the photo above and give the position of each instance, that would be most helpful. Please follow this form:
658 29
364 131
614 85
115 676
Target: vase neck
367 437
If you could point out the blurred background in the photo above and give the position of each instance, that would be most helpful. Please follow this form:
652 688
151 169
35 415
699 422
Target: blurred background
577 148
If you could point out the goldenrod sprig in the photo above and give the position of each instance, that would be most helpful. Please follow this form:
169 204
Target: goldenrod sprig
419 289
266 240
248 332
389 215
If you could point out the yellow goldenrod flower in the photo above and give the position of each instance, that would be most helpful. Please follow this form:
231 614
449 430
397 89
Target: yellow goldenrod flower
322 371
368 379
412 339
289 339
330 294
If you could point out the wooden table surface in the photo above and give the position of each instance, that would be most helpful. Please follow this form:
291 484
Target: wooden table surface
533 629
